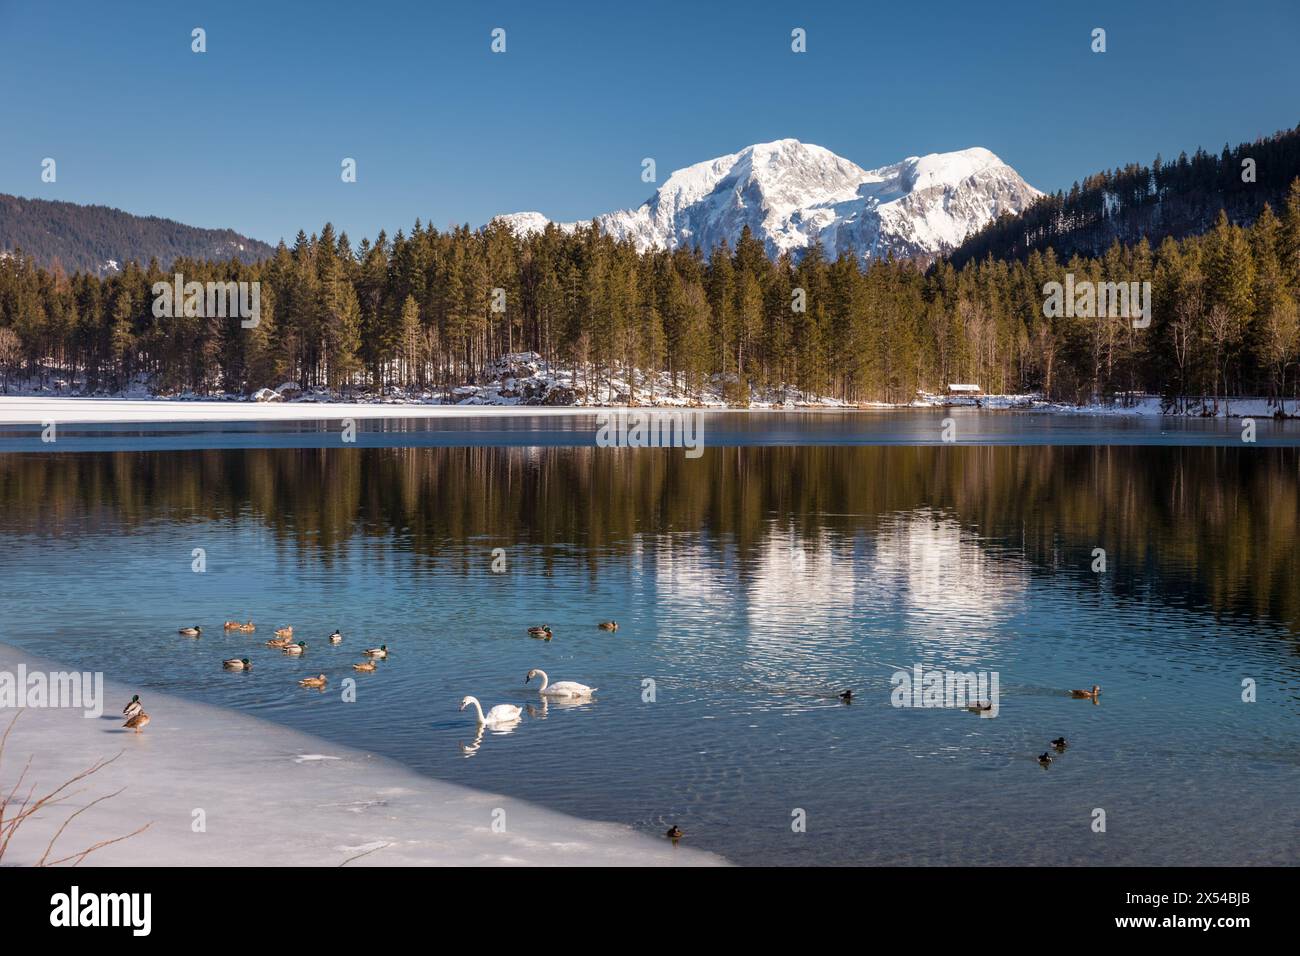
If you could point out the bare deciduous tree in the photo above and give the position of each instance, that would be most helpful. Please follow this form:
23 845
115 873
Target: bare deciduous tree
18 806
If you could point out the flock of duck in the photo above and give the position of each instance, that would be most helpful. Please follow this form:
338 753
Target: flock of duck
134 712
499 717
283 641
1059 744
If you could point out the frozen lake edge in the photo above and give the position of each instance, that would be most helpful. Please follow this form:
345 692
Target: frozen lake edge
39 410
270 796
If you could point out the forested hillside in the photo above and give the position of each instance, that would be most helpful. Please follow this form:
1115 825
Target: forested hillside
101 240
1180 198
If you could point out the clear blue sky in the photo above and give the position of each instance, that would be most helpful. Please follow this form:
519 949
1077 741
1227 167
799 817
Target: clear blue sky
250 135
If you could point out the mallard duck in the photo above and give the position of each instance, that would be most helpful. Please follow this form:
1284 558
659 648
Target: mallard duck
284 632
846 696
366 666
133 708
138 722
279 642
232 626
608 625
1044 759
237 664
194 631
318 681
336 637
674 832
543 632
1059 743
248 628
379 653
1086 694
295 649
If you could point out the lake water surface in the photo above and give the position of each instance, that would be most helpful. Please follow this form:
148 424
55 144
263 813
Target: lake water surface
795 558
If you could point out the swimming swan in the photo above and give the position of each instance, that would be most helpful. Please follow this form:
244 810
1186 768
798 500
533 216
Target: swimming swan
498 715
561 688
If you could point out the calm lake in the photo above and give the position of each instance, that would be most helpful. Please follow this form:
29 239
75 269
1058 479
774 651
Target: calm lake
797 557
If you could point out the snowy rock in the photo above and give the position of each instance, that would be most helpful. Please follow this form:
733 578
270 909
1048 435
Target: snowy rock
267 395
792 194
559 395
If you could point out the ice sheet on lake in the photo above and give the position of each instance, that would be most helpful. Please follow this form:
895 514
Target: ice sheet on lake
271 796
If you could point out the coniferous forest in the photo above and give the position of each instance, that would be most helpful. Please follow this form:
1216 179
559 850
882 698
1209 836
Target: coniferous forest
418 310
92 238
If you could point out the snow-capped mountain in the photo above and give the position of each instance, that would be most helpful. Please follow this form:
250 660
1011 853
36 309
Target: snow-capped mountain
791 193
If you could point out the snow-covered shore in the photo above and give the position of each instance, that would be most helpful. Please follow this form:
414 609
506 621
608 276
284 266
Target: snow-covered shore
273 797
22 410
522 383
519 380
1145 405
36 411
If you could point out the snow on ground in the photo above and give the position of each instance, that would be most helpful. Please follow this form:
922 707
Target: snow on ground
40 410
1248 407
522 383
271 796
36 411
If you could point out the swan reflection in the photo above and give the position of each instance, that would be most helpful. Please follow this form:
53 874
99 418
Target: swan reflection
539 710
497 730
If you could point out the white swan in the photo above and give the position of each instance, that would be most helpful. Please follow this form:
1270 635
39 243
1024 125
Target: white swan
498 715
561 688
